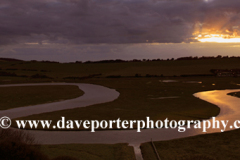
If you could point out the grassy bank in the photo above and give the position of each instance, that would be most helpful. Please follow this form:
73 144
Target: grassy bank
12 97
19 145
217 146
90 151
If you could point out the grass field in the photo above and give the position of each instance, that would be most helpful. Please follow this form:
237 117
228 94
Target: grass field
58 71
217 146
90 151
12 97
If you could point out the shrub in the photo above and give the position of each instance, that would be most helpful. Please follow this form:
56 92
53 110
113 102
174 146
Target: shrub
17 136
18 145
16 150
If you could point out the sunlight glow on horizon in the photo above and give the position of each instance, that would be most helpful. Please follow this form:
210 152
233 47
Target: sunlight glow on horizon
220 40
217 38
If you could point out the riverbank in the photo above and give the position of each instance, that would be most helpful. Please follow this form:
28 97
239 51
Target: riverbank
217 146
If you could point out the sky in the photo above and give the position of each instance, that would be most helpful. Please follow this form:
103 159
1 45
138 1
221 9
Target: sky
69 30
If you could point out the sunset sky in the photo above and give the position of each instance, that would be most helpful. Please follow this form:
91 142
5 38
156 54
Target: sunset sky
69 30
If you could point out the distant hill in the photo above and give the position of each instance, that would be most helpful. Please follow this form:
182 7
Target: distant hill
10 59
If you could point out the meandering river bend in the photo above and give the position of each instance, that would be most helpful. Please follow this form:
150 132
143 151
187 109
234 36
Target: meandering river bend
95 94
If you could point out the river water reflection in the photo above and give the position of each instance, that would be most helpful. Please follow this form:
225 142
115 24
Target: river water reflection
229 106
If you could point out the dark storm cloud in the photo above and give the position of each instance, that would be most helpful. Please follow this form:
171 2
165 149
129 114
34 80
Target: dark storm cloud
112 21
